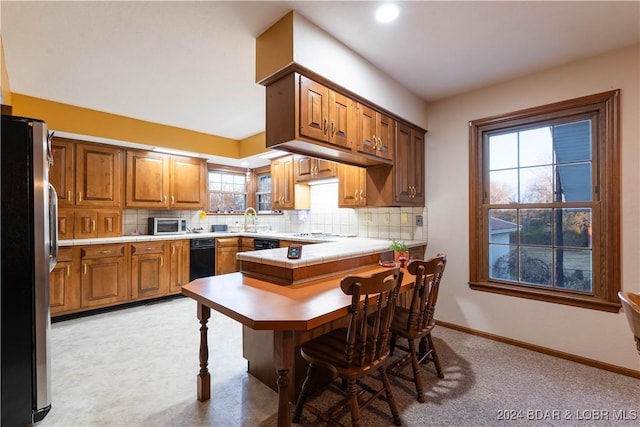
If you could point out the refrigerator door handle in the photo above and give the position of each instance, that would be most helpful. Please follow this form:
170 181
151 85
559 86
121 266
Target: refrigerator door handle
53 227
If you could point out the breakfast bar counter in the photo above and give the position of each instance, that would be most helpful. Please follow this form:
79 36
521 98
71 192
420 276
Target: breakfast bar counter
289 313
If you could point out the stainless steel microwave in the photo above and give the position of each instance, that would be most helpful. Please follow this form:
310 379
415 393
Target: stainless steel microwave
167 226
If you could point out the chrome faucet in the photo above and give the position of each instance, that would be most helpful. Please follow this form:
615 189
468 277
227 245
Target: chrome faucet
255 217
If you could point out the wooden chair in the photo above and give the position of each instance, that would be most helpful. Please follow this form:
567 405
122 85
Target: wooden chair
353 352
415 323
631 305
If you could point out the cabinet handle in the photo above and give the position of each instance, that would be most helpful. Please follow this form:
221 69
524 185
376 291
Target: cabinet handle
173 249
68 270
164 199
93 225
79 196
173 200
161 260
326 126
69 195
333 128
105 252
148 249
84 268
409 192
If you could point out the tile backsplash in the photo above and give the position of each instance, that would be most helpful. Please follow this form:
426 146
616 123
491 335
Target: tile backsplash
324 216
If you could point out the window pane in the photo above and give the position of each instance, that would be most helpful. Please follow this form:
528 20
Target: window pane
503 151
573 269
536 147
503 188
503 226
572 141
536 228
535 265
536 184
264 183
574 182
503 262
576 228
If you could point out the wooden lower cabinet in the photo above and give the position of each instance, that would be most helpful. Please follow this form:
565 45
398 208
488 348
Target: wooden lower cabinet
179 265
226 251
103 275
64 286
149 270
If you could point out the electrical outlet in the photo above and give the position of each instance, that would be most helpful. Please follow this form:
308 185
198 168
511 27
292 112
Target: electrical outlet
387 218
418 220
368 217
404 218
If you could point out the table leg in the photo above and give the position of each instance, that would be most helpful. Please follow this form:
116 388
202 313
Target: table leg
283 358
204 378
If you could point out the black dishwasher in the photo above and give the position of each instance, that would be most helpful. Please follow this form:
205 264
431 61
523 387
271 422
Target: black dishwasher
260 243
202 258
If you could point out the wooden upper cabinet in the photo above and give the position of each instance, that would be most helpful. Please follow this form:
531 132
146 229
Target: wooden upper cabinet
325 115
156 180
409 172
98 176
310 168
61 172
86 174
351 186
285 193
375 132
147 179
188 183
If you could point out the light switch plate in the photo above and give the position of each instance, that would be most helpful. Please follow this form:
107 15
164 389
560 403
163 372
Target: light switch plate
418 220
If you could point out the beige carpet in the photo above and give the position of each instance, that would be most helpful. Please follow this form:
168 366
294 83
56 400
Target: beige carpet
138 366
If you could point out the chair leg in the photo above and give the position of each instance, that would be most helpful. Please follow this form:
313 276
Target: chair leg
352 388
415 365
434 357
390 399
392 343
302 397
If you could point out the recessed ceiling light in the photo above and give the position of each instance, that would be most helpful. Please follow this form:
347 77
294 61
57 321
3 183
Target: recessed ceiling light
387 12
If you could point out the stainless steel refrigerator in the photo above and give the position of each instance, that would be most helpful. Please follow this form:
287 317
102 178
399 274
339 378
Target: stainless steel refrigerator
29 248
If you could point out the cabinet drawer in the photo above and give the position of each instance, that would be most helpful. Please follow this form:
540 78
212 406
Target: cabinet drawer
227 242
102 251
147 248
65 254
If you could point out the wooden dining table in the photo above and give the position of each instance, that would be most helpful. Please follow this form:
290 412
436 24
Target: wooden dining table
285 310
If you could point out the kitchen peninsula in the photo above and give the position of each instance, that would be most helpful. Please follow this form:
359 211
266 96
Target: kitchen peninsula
281 317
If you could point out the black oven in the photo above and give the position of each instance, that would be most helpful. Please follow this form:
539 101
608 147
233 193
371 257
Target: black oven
260 243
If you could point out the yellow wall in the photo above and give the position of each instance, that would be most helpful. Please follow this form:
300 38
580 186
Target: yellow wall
4 77
83 121
274 48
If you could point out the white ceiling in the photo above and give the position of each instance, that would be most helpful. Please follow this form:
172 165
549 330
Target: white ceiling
191 64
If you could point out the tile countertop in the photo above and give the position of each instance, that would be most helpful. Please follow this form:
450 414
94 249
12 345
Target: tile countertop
328 247
322 252
146 238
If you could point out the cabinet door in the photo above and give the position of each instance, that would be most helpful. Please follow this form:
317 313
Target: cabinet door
282 182
85 224
109 223
351 186
409 179
314 106
179 268
147 183
149 270
64 287
341 120
226 250
61 171
103 277
98 175
246 244
65 224
385 135
366 131
188 183
309 168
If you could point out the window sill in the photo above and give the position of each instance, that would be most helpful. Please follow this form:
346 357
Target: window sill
556 297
